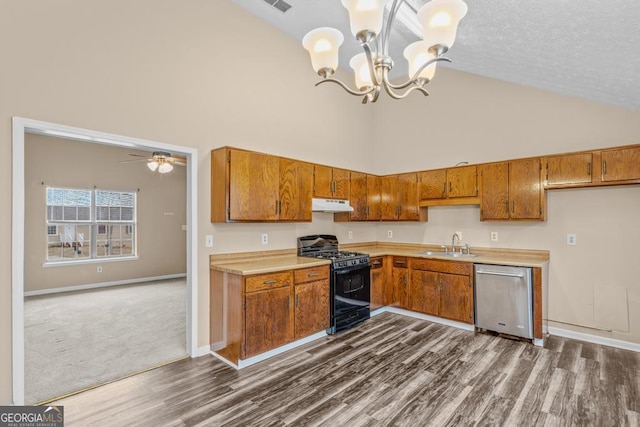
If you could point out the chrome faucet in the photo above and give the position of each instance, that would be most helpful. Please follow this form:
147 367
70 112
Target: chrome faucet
453 242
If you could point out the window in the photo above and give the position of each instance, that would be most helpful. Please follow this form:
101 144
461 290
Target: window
89 224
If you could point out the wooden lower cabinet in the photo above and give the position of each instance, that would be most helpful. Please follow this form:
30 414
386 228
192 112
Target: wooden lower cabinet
379 293
257 313
400 282
269 321
442 288
311 307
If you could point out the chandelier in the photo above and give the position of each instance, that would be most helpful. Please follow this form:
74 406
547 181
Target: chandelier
439 20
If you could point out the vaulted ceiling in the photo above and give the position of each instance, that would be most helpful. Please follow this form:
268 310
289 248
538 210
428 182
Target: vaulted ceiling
587 48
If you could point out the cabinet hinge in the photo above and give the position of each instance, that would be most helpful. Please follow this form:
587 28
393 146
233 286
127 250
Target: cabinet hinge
228 211
229 156
244 348
244 304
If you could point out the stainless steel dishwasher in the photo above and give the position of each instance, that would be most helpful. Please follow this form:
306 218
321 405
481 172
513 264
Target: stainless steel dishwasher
503 299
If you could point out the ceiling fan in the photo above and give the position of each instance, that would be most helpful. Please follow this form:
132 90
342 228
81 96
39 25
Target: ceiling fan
161 161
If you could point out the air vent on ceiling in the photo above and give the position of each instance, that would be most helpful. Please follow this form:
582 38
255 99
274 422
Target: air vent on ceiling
281 5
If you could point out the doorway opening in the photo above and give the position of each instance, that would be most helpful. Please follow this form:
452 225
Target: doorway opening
22 127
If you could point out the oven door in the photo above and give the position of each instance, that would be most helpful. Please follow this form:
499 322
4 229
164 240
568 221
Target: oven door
352 289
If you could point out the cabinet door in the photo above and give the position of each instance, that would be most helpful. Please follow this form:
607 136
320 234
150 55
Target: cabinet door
408 209
322 182
389 196
268 320
340 184
433 184
378 283
373 198
525 189
311 307
569 169
358 196
424 291
462 182
455 297
400 282
295 190
621 164
253 186
494 197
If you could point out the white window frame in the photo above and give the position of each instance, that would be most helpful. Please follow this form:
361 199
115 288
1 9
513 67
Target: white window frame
96 224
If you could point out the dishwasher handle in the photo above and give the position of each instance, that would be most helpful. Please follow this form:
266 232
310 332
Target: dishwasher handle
497 273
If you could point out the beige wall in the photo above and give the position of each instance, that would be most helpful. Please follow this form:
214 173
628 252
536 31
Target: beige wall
161 210
203 74
475 119
208 74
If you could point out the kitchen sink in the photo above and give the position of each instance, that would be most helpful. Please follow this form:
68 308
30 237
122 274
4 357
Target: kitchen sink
448 254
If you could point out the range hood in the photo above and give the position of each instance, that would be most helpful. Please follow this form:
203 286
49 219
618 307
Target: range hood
330 205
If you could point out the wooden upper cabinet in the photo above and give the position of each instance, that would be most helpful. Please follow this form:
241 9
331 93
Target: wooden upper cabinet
433 184
253 186
408 208
462 181
621 164
525 189
569 169
358 196
388 204
512 191
296 187
330 183
494 197
374 185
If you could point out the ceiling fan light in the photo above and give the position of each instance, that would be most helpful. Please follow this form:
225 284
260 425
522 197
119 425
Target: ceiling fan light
165 167
322 44
417 54
153 165
365 15
440 19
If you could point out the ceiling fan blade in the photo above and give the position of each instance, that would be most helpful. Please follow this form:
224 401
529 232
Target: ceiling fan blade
139 155
136 160
180 161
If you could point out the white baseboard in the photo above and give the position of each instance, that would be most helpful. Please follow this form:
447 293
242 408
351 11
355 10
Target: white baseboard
434 319
202 351
271 353
103 284
595 339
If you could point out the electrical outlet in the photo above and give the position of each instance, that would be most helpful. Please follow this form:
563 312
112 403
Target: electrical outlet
390 234
208 241
571 239
99 269
265 239
494 236
350 234
459 233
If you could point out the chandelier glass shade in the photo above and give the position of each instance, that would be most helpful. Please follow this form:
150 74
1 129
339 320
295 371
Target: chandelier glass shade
439 20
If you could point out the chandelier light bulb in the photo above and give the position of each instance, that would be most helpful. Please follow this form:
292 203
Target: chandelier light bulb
361 71
417 54
440 19
365 15
323 44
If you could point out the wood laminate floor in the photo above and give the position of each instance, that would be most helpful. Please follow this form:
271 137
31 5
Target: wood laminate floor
392 370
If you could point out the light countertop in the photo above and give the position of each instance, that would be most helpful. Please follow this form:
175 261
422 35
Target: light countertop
273 261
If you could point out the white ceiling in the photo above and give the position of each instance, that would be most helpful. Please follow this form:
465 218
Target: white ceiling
584 48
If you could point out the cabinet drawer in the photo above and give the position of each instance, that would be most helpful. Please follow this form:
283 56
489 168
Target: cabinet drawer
400 262
311 274
377 262
453 267
267 281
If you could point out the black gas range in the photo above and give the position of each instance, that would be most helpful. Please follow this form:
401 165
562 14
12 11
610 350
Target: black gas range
350 280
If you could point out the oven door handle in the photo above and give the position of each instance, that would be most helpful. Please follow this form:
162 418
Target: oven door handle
353 290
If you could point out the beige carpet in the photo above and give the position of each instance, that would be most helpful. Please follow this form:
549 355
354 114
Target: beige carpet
76 340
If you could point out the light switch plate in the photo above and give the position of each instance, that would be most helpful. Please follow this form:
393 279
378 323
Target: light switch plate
350 234
208 241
